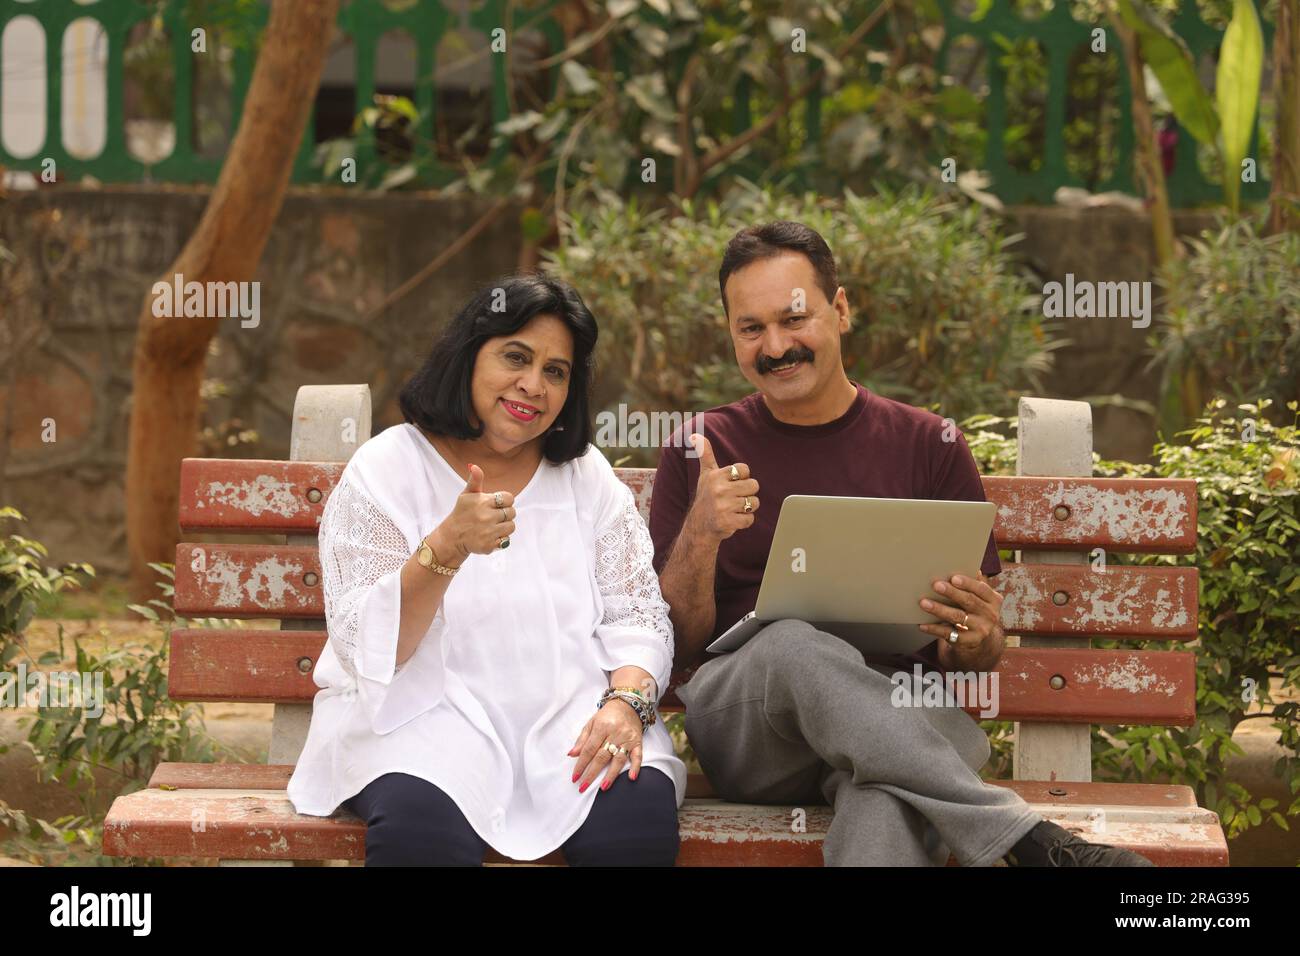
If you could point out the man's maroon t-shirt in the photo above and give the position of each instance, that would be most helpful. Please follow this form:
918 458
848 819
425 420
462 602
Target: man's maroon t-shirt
879 448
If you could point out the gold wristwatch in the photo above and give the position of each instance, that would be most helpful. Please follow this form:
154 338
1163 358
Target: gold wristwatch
424 554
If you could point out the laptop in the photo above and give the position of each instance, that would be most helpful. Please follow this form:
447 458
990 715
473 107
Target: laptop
857 568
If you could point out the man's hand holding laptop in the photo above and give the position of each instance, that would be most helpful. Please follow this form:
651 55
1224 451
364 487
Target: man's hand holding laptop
976 620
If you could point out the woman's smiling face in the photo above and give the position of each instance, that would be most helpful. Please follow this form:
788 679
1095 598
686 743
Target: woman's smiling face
521 382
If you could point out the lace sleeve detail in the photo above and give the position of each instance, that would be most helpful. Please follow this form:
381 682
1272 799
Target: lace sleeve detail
359 545
635 628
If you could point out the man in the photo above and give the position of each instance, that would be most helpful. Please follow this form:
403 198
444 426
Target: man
797 713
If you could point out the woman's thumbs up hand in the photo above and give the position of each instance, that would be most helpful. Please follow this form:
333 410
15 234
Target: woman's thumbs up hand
480 520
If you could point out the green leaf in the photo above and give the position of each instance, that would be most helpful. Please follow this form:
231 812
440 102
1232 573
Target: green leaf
1165 52
143 611
1241 63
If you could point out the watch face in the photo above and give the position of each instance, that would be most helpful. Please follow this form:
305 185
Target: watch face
424 555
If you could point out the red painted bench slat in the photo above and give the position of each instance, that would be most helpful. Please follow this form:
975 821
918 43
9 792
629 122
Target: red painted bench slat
248 581
1101 687
1119 514
262 580
255 495
255 776
1153 603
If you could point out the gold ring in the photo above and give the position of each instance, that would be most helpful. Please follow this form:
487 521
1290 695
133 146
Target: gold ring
612 748
622 751
735 473
504 543
965 618
496 500
748 506
504 516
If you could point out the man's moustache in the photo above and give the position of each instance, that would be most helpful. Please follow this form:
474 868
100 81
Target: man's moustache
765 364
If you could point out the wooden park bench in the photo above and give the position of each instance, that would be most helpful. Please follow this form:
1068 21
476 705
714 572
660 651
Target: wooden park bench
1053 683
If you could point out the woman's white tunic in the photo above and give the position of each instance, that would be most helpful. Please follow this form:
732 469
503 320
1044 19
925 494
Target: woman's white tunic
514 661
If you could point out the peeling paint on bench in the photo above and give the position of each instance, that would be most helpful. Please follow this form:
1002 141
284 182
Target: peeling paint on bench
273 497
1159 603
237 583
265 493
248 580
1155 515
1129 675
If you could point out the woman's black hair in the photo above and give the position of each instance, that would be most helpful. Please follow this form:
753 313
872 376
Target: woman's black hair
438 398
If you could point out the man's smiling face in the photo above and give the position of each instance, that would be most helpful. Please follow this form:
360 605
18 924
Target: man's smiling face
785 333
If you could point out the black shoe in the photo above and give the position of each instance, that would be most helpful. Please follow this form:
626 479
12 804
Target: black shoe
1049 845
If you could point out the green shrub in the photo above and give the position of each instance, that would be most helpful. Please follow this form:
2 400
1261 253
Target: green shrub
1231 323
137 727
941 310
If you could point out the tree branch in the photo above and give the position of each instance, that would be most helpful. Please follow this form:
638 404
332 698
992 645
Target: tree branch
720 153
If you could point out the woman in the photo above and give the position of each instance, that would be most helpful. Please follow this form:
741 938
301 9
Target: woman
497 639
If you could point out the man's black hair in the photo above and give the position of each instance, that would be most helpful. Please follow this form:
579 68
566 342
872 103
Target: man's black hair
773 239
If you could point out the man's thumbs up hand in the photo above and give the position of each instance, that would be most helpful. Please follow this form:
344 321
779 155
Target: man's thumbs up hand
725 498
704 450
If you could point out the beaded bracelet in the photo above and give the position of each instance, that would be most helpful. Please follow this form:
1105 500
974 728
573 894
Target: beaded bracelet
644 709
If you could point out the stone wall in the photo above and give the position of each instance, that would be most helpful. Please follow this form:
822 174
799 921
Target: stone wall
85 260
1105 357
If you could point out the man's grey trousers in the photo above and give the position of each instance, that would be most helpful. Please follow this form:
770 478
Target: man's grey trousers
796 715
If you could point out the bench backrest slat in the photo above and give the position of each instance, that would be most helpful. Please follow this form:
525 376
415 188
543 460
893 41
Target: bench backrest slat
1102 687
260 580
1067 514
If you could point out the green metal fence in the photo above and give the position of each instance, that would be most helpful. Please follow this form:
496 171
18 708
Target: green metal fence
1060 37
427 22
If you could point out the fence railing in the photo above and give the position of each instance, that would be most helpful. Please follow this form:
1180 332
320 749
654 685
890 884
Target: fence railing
1061 39
63 72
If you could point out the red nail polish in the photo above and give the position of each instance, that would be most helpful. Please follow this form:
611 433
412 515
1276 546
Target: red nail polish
584 786
605 785
575 778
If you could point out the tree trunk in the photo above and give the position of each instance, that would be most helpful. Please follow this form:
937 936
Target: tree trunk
1150 174
1284 198
225 247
